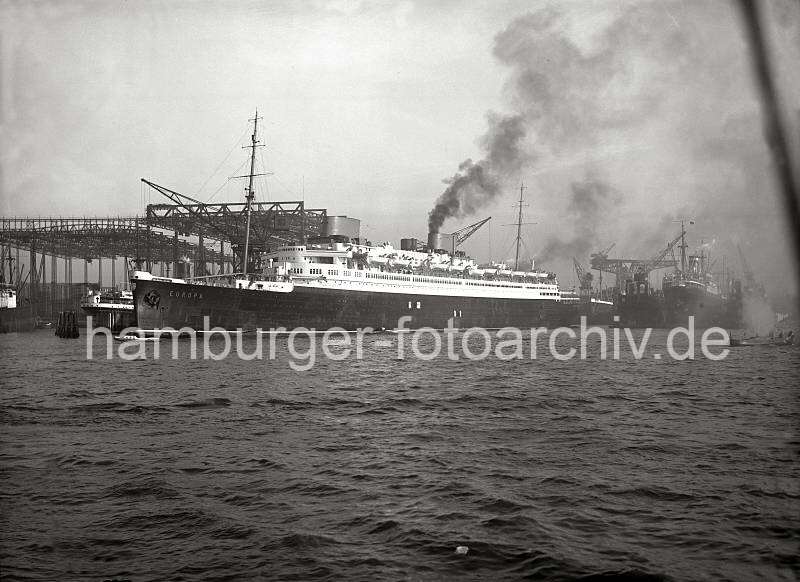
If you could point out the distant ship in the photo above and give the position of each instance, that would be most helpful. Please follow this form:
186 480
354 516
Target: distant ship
693 290
8 307
340 280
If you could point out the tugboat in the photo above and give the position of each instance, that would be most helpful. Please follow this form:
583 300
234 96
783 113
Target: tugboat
112 308
638 304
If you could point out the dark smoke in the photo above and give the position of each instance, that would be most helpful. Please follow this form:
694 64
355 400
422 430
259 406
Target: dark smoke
559 95
476 183
591 200
657 98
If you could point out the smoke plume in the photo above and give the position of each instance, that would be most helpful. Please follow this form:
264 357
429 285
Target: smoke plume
478 182
654 104
589 203
758 316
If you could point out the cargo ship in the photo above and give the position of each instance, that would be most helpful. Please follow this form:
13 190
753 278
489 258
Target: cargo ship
340 280
693 290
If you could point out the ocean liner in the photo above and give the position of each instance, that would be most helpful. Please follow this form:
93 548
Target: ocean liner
327 283
339 280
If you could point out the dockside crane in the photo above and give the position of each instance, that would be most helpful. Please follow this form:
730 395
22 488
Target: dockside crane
604 252
598 256
463 234
585 278
620 267
657 262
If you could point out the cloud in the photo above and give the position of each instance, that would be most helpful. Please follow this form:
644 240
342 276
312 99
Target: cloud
655 104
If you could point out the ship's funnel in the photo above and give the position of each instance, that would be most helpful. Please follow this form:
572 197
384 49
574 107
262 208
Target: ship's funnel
441 242
342 226
410 244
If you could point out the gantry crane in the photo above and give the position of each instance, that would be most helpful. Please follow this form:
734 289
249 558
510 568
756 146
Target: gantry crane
625 268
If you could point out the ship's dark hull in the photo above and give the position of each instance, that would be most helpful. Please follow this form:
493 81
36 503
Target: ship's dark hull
641 310
597 313
162 304
681 302
17 319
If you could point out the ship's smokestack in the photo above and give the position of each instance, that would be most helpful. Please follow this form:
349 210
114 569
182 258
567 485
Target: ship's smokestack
441 242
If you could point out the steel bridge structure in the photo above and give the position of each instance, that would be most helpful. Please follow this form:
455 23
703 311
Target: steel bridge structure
186 238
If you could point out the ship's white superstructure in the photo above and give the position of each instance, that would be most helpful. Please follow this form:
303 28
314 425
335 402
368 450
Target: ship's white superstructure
385 269
8 296
105 299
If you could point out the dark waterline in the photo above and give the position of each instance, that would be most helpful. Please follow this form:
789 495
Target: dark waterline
380 468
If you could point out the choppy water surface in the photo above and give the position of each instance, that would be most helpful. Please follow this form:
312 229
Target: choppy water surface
380 468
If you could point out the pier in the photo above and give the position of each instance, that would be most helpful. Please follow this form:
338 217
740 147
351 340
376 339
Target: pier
55 261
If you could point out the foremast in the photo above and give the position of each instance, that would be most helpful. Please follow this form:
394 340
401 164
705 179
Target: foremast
250 193
519 228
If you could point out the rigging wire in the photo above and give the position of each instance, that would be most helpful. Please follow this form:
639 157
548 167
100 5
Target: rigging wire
264 177
285 187
225 159
226 182
283 184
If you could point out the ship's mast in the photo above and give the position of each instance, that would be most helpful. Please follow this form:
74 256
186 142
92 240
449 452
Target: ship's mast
519 227
683 248
250 193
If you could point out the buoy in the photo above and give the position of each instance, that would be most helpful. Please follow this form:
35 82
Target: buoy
462 550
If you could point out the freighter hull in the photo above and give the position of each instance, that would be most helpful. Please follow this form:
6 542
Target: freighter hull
681 302
641 310
598 312
162 304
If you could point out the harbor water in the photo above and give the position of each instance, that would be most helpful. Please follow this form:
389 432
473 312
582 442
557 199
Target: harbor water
379 468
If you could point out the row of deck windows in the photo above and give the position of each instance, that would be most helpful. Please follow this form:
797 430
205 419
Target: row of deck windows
392 277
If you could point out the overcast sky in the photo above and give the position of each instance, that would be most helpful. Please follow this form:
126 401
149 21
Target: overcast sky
368 106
